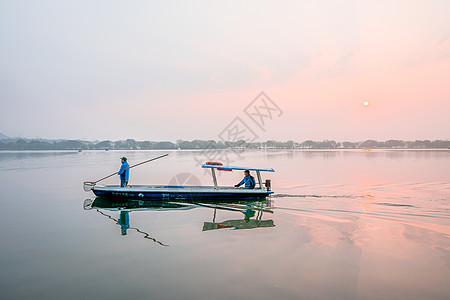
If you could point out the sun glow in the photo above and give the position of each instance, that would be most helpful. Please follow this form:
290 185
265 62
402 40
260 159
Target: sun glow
366 103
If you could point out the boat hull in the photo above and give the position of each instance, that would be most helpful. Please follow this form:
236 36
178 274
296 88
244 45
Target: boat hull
180 193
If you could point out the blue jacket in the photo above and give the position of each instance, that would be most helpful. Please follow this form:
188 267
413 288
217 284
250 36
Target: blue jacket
124 174
249 182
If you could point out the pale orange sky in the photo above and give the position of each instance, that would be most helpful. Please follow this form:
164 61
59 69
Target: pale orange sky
185 70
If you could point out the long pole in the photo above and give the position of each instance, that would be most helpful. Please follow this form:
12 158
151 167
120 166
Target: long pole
89 184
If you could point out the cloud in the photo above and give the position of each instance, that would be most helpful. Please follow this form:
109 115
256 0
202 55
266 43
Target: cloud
431 53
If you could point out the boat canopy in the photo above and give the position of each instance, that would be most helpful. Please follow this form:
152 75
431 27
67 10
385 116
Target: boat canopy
235 168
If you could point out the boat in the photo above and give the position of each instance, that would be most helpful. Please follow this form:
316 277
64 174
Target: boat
189 193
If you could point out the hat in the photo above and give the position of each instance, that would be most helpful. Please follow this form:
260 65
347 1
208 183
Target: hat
124 158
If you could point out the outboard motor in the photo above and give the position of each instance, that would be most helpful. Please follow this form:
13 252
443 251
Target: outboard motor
268 184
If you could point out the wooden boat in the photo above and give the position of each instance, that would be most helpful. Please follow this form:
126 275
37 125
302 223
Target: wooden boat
189 193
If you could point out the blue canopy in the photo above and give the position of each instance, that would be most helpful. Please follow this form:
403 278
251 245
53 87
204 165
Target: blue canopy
236 168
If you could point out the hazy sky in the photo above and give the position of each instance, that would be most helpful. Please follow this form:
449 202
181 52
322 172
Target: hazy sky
168 70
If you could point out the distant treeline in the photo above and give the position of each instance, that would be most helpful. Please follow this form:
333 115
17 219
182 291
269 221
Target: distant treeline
130 144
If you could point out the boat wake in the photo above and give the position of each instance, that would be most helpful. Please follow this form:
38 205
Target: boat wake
312 196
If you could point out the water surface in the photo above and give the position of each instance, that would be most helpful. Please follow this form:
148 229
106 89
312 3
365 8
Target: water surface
341 225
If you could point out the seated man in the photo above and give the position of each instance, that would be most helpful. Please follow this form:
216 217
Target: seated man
248 180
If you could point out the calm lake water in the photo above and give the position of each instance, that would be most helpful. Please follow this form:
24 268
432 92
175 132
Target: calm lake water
341 225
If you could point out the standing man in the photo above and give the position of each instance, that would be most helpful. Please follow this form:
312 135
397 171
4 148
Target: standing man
124 172
248 180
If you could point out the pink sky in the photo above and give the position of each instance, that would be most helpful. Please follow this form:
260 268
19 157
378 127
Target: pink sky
185 71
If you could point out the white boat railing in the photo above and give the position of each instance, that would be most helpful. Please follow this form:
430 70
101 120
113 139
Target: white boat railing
218 166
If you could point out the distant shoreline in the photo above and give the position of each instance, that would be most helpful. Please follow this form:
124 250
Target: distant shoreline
200 150
211 145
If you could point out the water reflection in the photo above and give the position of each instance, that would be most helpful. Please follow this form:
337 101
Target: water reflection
251 213
124 221
368 198
29 155
125 208
249 210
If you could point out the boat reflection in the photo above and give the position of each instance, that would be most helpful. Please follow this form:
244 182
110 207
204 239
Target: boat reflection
252 212
248 210
134 205
125 208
